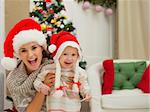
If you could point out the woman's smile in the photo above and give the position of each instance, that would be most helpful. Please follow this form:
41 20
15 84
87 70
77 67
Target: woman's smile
31 55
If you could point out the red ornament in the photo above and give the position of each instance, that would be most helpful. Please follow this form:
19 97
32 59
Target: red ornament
49 29
41 10
48 0
51 11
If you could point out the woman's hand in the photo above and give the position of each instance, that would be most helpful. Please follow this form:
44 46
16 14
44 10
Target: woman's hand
49 79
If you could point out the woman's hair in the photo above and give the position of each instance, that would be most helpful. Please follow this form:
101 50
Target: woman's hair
46 54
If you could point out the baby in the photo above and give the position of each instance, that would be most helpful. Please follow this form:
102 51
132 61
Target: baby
70 80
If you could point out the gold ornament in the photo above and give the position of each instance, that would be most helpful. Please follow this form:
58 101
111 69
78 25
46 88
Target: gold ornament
43 26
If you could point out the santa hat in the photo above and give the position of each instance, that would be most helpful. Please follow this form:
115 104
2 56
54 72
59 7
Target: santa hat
58 43
25 31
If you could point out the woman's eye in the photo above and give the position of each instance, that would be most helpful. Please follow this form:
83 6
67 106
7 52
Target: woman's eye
65 54
23 50
33 48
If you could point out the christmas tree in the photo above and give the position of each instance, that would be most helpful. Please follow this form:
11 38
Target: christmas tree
51 14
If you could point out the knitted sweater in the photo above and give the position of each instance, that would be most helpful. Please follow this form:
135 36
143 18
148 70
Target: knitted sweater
20 86
70 101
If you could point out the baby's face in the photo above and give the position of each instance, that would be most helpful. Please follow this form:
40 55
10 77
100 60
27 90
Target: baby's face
69 57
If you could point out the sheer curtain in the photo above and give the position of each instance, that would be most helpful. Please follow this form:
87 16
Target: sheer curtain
133 29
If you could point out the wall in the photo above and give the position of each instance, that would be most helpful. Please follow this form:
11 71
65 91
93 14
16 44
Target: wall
2 30
1 54
95 31
15 10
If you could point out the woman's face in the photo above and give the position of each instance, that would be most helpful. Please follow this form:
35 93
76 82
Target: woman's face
31 55
68 57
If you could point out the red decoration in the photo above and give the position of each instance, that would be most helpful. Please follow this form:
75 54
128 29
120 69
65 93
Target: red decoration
108 77
144 84
60 88
51 11
78 84
48 0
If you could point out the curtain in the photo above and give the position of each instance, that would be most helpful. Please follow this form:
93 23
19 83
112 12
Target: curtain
133 29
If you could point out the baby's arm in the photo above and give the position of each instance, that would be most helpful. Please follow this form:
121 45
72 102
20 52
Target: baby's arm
84 88
38 83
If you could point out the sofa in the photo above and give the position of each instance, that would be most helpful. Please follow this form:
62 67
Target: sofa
116 100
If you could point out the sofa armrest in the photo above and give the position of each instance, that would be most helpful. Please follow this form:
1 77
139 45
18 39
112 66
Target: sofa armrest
94 72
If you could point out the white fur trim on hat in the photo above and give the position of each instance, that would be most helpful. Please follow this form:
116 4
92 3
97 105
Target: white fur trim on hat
58 93
52 48
64 45
76 77
58 75
26 36
9 63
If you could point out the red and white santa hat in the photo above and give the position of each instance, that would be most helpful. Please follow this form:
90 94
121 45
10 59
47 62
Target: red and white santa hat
58 43
25 31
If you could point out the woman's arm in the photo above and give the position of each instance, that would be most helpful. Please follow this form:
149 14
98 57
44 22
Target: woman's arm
37 102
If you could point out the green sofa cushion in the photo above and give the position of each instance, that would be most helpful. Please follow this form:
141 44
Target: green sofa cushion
128 75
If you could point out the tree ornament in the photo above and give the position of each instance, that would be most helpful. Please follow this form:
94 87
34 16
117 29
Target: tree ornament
99 8
48 0
109 11
43 26
61 26
86 5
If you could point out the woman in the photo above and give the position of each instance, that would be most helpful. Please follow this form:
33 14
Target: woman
23 50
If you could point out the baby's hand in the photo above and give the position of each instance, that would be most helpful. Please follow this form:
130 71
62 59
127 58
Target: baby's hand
49 80
88 97
44 89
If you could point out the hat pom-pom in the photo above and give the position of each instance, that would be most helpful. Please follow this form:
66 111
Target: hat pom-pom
58 93
9 63
52 48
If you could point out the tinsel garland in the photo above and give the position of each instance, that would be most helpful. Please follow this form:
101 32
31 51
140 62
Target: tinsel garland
105 6
104 3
